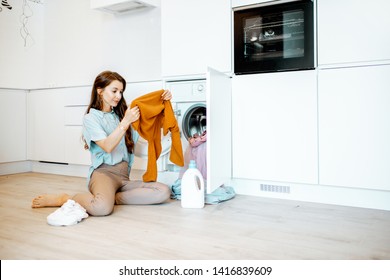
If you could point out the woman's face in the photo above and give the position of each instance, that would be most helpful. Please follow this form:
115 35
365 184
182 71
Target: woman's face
111 95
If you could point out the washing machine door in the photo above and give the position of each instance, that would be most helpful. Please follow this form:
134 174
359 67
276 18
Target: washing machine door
194 120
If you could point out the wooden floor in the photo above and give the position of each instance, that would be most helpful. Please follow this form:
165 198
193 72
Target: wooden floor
243 228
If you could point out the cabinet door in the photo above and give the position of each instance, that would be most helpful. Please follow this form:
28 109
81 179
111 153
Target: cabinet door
46 122
354 127
13 126
219 133
75 105
353 31
195 34
74 146
275 127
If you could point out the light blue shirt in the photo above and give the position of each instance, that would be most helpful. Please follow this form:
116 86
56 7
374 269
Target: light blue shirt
98 125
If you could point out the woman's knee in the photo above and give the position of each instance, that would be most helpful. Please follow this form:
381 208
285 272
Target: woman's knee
100 207
100 210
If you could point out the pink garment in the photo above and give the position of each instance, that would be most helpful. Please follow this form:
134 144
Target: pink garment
196 140
197 153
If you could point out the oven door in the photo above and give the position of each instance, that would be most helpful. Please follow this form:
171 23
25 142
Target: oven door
277 37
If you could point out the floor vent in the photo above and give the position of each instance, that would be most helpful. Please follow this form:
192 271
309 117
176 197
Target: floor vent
274 188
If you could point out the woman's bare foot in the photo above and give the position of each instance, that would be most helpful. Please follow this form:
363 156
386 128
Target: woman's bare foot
49 200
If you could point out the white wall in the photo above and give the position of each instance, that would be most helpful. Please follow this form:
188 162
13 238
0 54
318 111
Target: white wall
73 43
21 66
81 42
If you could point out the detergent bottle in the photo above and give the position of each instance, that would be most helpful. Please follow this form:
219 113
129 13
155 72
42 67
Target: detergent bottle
192 187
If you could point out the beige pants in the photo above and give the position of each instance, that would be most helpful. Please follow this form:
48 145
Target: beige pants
110 185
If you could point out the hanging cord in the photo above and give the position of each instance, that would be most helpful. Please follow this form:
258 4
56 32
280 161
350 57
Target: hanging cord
26 14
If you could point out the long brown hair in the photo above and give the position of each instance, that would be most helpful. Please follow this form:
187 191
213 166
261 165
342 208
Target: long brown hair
103 80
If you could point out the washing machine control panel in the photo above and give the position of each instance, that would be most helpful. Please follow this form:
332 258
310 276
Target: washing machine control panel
187 91
198 88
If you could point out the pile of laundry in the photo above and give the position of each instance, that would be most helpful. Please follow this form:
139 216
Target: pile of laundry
196 150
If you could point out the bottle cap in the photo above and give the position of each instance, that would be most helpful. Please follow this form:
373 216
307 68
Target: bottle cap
192 164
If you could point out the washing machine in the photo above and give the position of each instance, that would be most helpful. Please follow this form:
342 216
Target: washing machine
141 153
189 104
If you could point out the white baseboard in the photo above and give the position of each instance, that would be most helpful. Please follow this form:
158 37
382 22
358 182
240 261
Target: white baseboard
15 167
343 196
60 169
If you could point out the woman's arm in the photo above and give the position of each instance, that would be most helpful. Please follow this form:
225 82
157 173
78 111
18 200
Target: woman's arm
109 144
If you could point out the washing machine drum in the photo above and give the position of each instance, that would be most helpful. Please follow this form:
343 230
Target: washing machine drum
194 121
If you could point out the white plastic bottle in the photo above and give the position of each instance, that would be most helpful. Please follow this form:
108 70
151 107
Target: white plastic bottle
192 187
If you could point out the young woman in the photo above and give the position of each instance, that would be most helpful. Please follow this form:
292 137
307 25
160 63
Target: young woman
108 135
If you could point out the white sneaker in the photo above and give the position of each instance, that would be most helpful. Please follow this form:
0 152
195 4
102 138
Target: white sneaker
69 214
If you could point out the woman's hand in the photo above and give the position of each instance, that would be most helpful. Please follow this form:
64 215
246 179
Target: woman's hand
166 95
132 114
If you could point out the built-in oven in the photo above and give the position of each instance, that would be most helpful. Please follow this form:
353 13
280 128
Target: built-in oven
274 36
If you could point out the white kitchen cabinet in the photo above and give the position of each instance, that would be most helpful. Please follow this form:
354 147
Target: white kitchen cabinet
13 126
76 101
134 90
219 129
352 31
46 125
195 35
55 125
74 146
275 127
56 119
354 127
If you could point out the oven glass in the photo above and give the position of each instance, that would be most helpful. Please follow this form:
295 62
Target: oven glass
274 38
279 35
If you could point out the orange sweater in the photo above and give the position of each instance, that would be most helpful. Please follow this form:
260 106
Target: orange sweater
155 114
